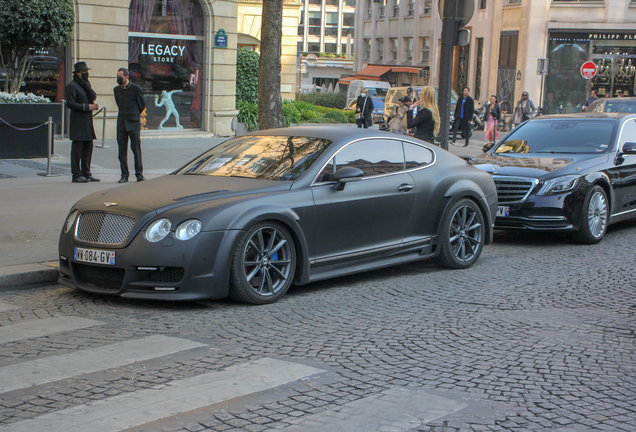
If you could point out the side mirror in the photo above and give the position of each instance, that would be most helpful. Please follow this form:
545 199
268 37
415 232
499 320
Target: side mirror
629 148
346 175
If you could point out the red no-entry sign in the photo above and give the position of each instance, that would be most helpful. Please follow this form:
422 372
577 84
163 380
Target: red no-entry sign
588 70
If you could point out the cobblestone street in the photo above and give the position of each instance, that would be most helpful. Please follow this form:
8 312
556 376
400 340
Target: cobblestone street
538 335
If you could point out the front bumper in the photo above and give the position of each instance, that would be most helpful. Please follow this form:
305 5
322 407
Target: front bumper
560 212
171 269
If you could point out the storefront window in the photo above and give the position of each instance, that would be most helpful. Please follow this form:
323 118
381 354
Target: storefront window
166 60
614 54
46 74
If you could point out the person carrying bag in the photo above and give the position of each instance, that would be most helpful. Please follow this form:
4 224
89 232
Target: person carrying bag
364 107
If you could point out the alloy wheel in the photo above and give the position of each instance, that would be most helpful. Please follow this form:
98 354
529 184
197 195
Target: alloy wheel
465 233
597 214
267 260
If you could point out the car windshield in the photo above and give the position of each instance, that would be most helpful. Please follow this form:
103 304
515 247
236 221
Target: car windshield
280 158
377 91
378 103
620 106
571 136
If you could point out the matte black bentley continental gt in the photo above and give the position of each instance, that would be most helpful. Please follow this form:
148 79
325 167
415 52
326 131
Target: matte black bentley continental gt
258 212
570 173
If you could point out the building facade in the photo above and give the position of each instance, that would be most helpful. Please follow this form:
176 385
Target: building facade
508 37
182 53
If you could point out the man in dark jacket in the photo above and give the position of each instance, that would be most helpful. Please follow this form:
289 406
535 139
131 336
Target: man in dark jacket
464 111
364 108
131 103
80 99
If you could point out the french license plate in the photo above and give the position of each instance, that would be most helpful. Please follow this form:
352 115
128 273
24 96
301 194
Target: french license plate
503 211
95 256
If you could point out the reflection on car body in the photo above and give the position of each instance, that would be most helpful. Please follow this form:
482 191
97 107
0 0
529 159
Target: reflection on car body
258 212
572 173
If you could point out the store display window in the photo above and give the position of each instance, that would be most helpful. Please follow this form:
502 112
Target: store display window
166 60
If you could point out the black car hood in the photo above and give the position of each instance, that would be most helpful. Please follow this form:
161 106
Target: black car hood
177 190
537 165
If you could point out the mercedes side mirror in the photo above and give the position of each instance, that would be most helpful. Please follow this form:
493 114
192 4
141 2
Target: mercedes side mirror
346 175
628 148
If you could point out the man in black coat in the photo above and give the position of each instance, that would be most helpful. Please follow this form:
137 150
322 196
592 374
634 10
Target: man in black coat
131 103
464 111
80 99
364 107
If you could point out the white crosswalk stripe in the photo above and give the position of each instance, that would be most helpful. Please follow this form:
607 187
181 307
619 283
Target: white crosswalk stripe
7 307
145 406
55 368
44 327
393 410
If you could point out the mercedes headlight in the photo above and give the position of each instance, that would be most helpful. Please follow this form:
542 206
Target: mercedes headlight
158 230
559 185
188 229
70 220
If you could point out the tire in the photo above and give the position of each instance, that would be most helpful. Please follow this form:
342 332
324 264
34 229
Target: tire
462 235
264 264
594 217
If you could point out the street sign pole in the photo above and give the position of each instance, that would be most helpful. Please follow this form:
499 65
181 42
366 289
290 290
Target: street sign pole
449 33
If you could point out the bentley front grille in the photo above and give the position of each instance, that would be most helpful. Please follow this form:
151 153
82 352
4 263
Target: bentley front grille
104 227
101 277
512 190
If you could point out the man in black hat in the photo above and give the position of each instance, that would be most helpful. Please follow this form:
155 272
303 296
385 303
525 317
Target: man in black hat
80 99
131 103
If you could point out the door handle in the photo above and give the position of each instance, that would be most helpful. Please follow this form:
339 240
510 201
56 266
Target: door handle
405 187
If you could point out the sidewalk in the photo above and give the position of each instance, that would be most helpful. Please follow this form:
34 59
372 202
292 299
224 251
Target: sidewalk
34 207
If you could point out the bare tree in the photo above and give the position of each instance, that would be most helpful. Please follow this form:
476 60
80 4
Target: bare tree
270 103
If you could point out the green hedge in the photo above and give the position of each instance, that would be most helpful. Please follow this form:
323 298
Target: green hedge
296 112
326 99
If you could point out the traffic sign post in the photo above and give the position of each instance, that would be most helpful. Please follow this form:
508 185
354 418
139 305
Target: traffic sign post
454 14
588 70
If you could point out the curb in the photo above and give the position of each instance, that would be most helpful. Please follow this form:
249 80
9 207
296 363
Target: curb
25 276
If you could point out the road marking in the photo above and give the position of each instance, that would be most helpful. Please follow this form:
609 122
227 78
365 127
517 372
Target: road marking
393 410
145 406
50 369
38 328
7 307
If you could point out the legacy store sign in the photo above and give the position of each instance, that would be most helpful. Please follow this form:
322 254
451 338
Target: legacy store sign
162 53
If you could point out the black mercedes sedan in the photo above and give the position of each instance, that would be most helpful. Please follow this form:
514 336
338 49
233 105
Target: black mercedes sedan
259 212
571 173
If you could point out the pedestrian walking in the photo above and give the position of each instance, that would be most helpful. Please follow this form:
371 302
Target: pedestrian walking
523 110
80 99
619 93
427 121
131 103
492 116
398 117
464 111
364 107
592 98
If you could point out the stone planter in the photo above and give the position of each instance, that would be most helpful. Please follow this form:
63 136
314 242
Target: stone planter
18 144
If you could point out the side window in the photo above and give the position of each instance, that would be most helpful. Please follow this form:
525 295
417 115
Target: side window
417 156
373 157
628 134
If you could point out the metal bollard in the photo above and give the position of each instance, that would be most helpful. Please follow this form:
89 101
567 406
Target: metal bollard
49 149
103 130
63 112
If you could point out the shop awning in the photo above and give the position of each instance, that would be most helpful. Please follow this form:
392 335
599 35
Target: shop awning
405 69
373 72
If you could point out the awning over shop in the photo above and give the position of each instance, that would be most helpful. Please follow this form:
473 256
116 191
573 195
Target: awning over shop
374 72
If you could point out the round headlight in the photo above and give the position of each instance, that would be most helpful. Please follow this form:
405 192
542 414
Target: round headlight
188 229
70 220
158 230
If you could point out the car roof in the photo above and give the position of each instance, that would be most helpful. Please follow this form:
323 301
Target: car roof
585 115
333 133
